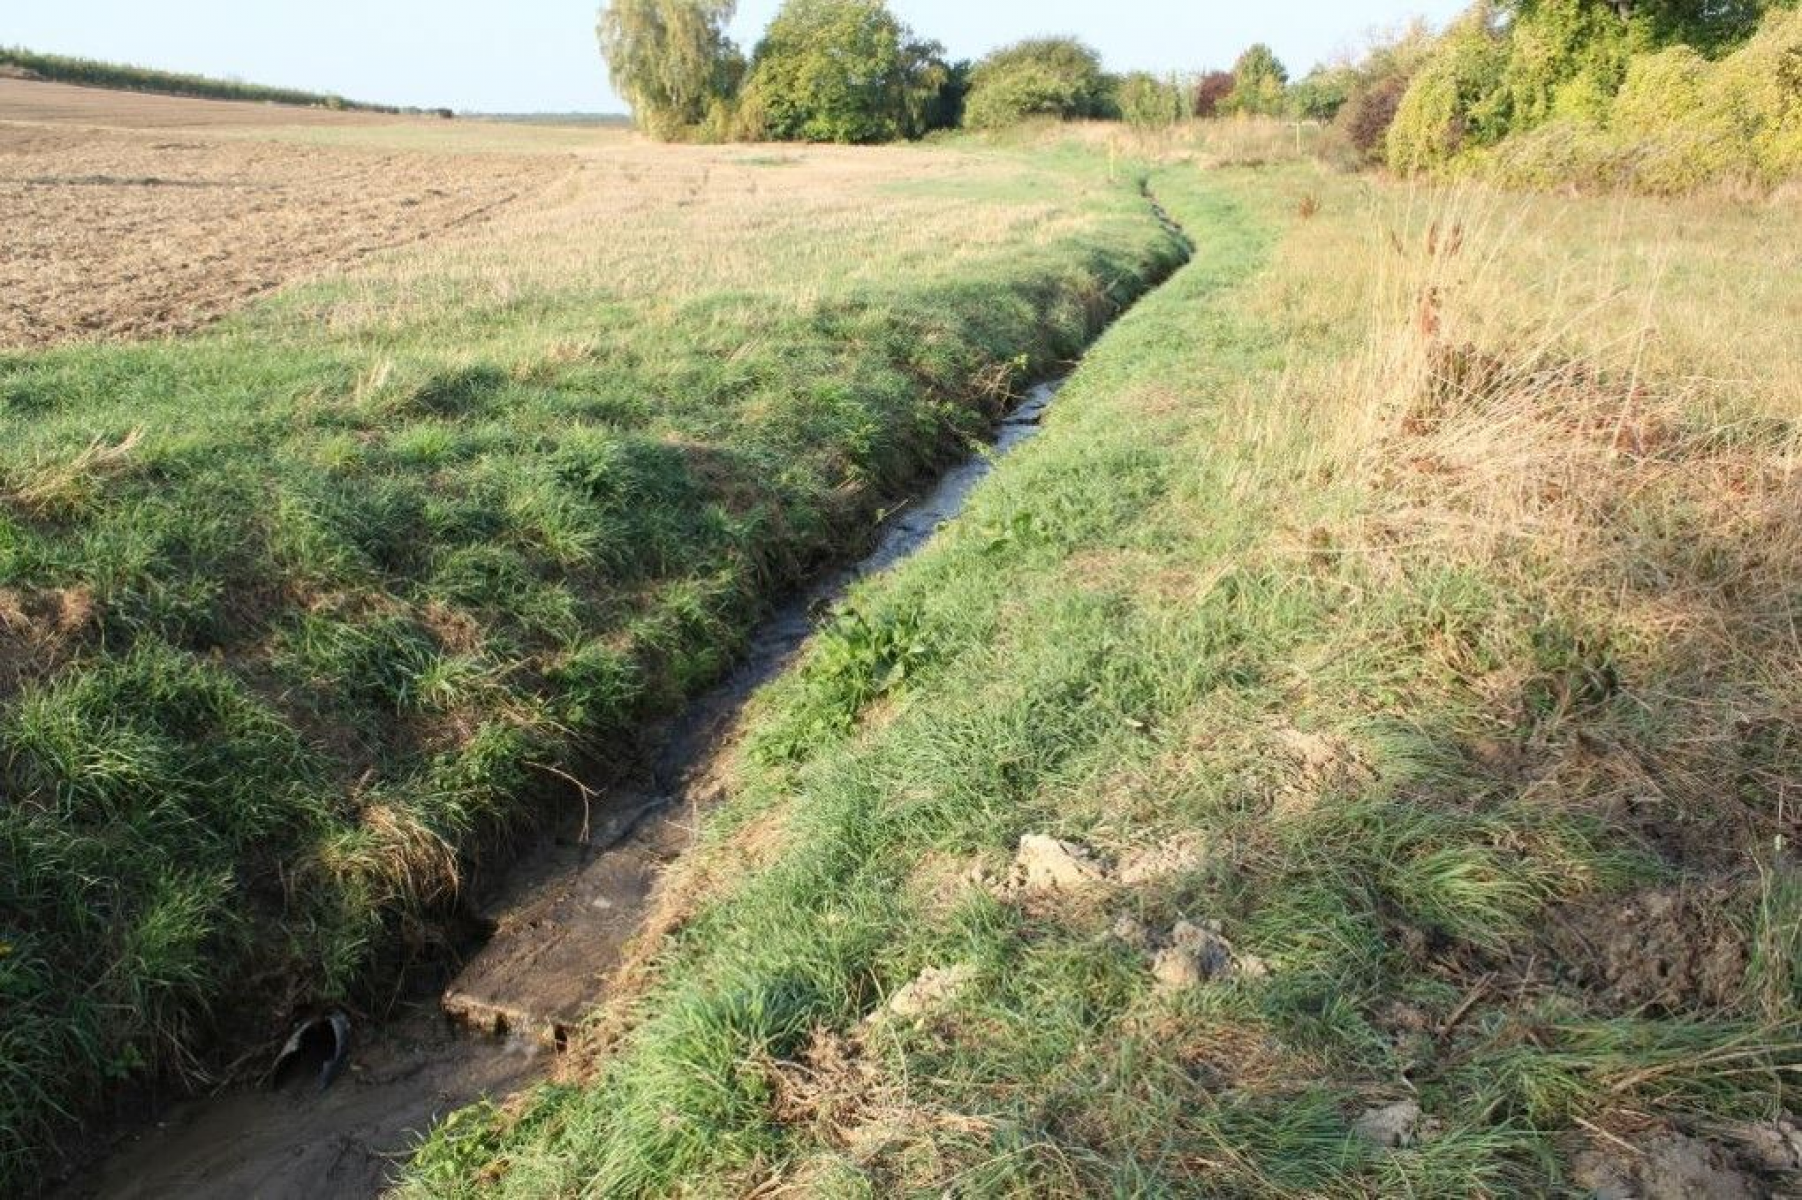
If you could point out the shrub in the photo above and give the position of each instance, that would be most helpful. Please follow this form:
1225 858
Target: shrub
1211 93
1147 102
1554 154
1763 81
1368 90
1323 92
1364 121
1660 95
1055 77
1659 87
1564 59
1260 83
1454 100
1679 122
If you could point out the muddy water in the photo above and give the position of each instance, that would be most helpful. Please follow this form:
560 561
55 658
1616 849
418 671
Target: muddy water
561 919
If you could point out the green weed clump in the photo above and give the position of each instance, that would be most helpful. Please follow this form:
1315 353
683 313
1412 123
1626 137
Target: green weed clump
1382 606
303 617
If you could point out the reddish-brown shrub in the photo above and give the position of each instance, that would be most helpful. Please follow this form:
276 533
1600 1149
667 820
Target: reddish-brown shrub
1366 117
1211 92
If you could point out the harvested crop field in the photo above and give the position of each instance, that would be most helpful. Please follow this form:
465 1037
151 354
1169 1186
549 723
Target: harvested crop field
135 216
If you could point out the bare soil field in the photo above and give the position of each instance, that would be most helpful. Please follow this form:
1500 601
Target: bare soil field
35 100
131 215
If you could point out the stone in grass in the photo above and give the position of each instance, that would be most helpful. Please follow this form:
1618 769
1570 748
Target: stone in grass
1390 1126
936 989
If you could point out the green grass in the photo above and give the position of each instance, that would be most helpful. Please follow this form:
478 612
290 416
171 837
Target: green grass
60 68
307 613
1247 592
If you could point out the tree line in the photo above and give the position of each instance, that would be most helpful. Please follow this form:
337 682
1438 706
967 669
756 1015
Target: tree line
850 71
62 68
1653 94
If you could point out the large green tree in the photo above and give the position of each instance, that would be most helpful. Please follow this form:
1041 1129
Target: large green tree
1056 77
844 71
1260 82
1148 102
670 60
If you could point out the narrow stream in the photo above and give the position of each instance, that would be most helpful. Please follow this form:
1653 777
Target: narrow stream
561 920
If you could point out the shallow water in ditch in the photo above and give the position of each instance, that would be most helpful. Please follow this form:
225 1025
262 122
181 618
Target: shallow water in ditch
561 919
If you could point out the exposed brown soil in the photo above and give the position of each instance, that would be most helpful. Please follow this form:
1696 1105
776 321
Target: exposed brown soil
1668 949
23 97
1673 1166
38 629
130 216
562 928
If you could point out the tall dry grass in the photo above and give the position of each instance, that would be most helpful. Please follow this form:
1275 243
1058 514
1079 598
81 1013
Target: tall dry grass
1603 424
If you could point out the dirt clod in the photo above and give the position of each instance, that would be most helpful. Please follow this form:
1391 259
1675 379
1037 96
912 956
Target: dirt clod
1132 931
935 989
1196 954
1045 864
1673 1167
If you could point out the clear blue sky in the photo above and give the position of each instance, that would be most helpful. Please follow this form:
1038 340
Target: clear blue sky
539 55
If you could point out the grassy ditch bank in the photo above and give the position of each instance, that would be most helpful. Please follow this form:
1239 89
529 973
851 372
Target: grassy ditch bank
299 616
1351 751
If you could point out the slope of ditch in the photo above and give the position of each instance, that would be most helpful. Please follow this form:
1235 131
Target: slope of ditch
1299 772
302 619
554 927
562 920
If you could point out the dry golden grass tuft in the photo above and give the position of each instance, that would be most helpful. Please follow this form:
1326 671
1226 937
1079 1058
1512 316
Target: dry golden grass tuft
40 628
57 488
396 852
